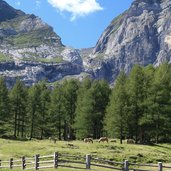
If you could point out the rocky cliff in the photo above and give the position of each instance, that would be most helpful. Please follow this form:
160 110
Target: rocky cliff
31 46
141 35
30 49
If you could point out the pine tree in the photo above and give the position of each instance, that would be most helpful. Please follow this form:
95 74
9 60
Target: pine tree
90 110
135 89
100 92
18 98
44 108
5 116
57 111
84 110
146 121
161 99
70 93
116 112
34 107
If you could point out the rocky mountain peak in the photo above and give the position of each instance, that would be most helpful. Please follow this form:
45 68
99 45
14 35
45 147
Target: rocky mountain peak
141 35
31 50
7 12
26 36
31 23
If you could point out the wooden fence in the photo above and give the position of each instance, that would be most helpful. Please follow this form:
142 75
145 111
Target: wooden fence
77 162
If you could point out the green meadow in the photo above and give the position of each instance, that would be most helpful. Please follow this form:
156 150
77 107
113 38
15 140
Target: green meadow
112 151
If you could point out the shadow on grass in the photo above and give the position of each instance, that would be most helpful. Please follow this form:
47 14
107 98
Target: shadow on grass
71 167
159 145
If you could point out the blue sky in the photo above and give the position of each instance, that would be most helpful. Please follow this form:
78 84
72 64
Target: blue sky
79 23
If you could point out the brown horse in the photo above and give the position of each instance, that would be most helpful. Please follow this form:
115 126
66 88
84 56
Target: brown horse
88 140
103 139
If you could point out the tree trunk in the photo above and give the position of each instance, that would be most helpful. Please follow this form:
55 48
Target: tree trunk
157 129
59 127
42 130
15 125
32 125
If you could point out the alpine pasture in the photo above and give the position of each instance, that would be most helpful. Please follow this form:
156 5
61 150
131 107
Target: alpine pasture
113 151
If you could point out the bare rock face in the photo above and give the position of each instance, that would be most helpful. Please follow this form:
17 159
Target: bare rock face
32 23
72 55
141 35
31 50
32 72
27 37
7 12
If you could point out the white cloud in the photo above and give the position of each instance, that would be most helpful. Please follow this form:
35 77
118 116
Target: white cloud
76 7
38 3
18 3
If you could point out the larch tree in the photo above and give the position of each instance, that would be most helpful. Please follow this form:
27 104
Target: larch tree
84 109
18 99
57 112
117 109
5 116
135 89
70 93
34 107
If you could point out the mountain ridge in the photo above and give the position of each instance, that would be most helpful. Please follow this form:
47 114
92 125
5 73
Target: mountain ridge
27 41
141 35
7 12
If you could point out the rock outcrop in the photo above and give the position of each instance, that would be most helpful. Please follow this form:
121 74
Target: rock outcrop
33 49
141 35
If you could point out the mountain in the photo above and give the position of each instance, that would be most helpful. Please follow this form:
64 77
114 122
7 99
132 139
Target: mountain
7 12
141 35
31 50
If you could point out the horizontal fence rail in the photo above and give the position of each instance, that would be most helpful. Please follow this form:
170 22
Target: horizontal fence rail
77 162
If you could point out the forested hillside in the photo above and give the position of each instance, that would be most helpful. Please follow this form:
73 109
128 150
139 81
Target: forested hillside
138 107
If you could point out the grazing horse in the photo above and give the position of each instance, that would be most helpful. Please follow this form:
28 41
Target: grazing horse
103 139
88 140
52 139
130 141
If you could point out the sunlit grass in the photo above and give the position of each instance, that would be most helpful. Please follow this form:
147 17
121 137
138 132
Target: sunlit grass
110 151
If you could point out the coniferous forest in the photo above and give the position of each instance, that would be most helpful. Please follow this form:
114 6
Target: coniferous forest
138 106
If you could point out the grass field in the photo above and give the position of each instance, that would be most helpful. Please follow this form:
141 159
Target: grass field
110 151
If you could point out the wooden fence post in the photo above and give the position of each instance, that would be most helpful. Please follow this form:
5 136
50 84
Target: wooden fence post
11 163
23 162
37 161
160 166
126 165
55 157
88 161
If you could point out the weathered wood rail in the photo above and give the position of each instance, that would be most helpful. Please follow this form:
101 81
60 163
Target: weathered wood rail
78 162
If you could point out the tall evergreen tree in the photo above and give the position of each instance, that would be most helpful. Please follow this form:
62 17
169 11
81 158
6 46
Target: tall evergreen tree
161 99
117 110
18 98
135 89
5 116
44 108
70 93
100 92
34 107
146 121
57 112
90 110
84 110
